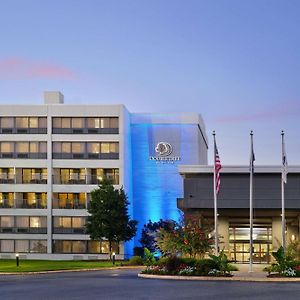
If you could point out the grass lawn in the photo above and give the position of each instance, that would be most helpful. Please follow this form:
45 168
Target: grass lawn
26 265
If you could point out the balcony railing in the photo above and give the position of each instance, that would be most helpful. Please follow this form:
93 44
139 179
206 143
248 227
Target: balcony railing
69 204
19 155
23 203
85 130
59 155
82 179
23 130
41 230
64 230
19 179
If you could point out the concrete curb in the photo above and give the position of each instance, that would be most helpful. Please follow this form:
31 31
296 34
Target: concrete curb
208 278
68 271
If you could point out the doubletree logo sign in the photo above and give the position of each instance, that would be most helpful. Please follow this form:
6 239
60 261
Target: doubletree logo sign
164 150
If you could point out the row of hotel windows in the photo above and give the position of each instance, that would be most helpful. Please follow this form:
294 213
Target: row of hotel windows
59 246
61 150
61 176
23 224
94 125
37 224
39 200
106 125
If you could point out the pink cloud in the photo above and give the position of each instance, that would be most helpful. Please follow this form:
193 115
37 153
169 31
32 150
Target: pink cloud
21 68
283 110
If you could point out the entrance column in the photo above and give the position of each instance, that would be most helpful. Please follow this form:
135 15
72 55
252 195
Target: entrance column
276 233
223 229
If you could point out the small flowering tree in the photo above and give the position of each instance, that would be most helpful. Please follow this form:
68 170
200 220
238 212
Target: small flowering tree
192 238
197 238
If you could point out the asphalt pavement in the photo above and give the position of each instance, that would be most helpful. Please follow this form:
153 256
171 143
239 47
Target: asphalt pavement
124 284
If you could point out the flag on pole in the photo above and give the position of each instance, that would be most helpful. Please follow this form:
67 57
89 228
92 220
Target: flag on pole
218 167
284 161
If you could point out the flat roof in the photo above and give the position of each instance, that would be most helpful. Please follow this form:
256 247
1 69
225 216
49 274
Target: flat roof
202 169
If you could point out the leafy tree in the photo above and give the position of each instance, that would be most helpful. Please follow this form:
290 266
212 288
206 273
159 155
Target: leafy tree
191 238
109 217
149 233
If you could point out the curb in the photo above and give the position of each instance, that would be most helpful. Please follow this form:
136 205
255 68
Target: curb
207 278
69 271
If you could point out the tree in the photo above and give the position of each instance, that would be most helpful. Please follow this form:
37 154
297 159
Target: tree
109 217
193 238
149 233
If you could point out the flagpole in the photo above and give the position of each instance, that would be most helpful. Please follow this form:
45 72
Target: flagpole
283 225
215 200
251 205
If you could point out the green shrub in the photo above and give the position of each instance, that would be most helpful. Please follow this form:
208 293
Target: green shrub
204 266
191 262
135 261
149 257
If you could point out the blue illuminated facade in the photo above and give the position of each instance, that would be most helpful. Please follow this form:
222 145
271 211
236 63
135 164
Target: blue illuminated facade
156 183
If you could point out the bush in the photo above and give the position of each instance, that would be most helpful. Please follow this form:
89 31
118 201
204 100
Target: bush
204 266
173 264
135 261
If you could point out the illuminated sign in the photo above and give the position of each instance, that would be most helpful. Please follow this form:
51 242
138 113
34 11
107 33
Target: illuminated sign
164 150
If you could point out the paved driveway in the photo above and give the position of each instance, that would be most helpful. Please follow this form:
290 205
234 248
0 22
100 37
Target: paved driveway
124 284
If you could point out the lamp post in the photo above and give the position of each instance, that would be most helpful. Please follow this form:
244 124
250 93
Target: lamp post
113 258
17 259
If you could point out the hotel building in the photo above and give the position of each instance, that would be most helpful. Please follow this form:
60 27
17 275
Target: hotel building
233 207
53 155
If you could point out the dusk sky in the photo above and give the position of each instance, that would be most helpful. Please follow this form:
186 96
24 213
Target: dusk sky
237 63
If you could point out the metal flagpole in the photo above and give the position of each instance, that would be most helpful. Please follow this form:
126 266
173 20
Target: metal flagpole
215 200
251 204
283 180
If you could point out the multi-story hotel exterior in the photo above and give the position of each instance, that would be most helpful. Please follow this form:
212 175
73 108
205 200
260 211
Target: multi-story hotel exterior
53 155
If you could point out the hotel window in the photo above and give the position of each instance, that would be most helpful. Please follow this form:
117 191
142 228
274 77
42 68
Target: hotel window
22 122
114 122
78 147
57 147
21 246
62 246
93 148
104 122
114 147
7 222
56 122
7 246
22 222
105 148
78 123
43 122
34 147
78 246
33 122
93 123
7 147
66 147
22 147
7 122
43 147
38 246
66 123
7 200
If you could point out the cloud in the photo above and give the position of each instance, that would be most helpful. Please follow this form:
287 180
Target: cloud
283 110
21 68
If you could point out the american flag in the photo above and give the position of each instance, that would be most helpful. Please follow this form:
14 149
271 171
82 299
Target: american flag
218 167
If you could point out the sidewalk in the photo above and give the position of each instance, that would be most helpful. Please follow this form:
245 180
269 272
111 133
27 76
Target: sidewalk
257 269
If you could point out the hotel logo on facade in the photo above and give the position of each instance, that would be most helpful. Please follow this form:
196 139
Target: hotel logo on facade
163 153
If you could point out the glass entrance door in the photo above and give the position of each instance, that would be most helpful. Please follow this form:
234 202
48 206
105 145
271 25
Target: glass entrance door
240 246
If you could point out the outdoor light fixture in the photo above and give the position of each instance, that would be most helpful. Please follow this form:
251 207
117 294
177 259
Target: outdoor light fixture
17 259
113 257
